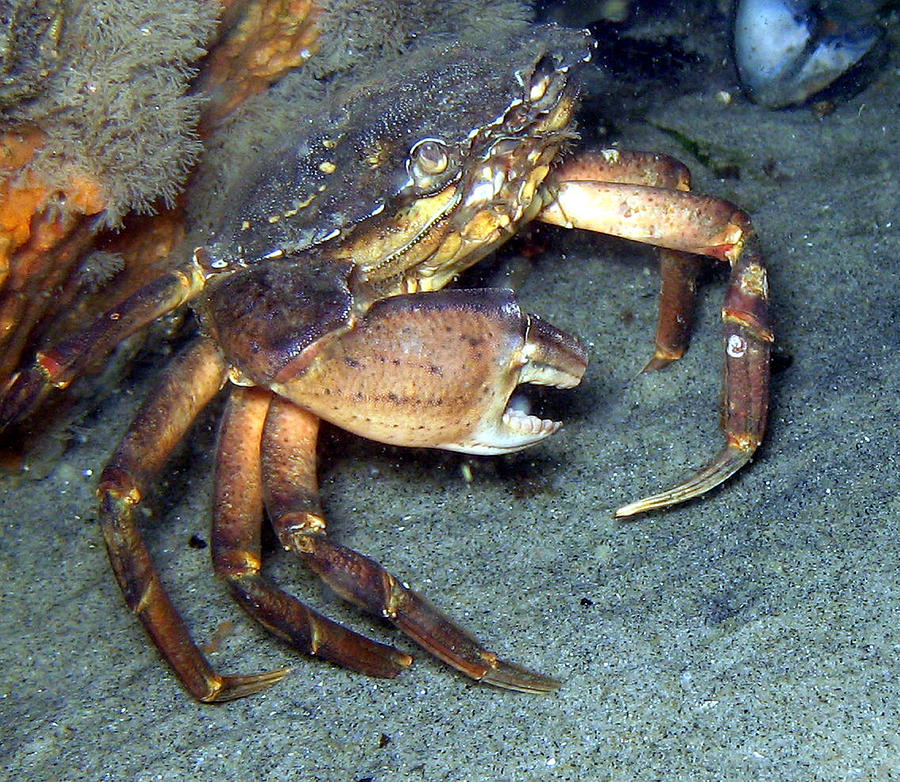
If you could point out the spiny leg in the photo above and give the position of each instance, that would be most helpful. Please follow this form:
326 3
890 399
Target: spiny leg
237 557
184 389
62 363
684 222
289 476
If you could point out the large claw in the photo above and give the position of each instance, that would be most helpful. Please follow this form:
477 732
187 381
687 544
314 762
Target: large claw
438 370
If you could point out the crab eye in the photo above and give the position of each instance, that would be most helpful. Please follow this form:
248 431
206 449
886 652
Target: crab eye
540 79
430 157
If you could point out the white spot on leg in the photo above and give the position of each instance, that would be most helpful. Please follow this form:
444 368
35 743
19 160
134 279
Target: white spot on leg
736 347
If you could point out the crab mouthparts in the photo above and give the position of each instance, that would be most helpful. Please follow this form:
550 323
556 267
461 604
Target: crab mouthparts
549 357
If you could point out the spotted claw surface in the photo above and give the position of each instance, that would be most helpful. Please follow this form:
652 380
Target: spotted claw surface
438 370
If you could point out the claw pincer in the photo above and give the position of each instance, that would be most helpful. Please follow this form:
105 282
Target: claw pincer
431 370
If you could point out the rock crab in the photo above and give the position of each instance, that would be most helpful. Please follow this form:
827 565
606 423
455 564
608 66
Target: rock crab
321 297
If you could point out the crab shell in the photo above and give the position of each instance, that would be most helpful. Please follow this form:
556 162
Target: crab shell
411 179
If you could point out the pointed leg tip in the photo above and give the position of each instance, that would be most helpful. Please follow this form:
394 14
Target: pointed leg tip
239 686
509 676
658 362
631 509
725 464
22 397
403 660
17 396
653 502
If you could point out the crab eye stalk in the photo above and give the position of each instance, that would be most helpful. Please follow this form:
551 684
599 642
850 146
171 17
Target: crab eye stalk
429 157
430 165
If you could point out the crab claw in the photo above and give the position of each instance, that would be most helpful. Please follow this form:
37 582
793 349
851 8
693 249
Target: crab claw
437 370
548 357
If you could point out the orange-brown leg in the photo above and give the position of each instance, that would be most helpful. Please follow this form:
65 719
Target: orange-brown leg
185 388
236 553
59 365
289 477
678 271
675 219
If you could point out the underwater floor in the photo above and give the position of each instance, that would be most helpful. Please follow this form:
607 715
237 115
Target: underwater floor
752 634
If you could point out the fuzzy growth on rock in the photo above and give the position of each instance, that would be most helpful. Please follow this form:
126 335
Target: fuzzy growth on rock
113 98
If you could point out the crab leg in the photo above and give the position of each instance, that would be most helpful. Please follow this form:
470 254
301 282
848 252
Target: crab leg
184 389
684 222
678 294
678 271
59 365
237 557
745 398
292 500
625 167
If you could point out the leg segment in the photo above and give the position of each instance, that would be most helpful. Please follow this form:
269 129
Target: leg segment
185 388
679 273
292 501
745 398
365 583
626 167
236 549
58 366
678 270
675 219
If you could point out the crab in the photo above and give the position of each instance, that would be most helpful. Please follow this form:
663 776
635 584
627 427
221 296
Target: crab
322 296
